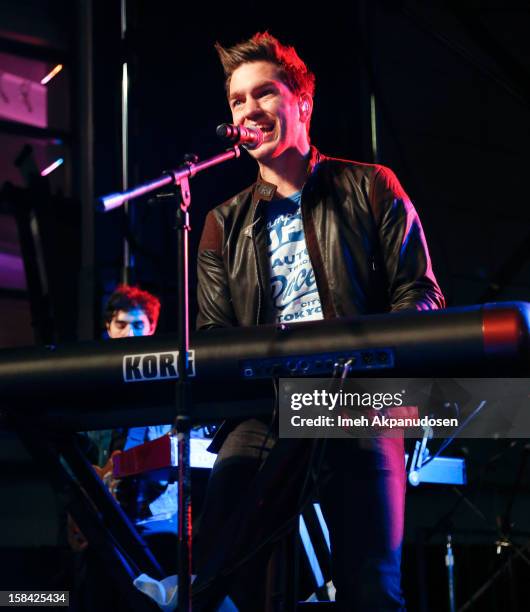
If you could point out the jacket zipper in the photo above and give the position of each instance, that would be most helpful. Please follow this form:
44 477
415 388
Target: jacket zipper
305 238
254 246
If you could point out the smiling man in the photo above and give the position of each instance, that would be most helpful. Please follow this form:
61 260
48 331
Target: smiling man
313 238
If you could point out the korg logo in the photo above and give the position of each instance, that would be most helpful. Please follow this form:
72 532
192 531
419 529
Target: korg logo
154 366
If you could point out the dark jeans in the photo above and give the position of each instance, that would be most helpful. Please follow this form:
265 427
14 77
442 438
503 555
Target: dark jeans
362 493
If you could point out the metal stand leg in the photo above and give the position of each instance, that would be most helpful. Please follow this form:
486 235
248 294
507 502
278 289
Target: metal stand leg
109 532
450 564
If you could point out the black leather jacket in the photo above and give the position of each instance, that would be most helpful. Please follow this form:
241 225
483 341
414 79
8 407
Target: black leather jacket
363 236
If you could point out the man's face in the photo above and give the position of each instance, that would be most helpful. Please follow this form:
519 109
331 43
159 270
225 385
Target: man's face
259 98
127 323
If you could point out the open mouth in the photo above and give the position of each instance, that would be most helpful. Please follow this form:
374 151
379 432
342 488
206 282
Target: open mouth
266 129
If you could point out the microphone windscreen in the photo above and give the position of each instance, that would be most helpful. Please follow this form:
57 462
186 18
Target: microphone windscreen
224 131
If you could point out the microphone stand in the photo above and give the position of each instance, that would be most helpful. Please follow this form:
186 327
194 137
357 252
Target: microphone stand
180 198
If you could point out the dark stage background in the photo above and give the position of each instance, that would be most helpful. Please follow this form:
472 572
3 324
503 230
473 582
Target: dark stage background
452 103
444 87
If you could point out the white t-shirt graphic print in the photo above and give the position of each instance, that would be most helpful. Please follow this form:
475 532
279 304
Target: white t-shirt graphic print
293 287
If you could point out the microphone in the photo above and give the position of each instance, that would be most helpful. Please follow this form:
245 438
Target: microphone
250 138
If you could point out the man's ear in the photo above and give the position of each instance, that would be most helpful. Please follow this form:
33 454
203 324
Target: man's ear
306 107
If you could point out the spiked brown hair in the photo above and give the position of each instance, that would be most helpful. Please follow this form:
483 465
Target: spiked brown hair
265 47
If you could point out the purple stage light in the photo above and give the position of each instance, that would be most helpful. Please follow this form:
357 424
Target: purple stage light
52 167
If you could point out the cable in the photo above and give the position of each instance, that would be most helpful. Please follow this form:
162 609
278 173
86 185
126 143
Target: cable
451 438
316 460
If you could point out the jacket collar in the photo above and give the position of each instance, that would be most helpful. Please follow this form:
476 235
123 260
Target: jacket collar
265 191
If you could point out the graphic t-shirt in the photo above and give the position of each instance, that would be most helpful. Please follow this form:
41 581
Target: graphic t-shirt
293 287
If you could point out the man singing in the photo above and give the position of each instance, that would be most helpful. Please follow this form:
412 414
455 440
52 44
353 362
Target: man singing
313 238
